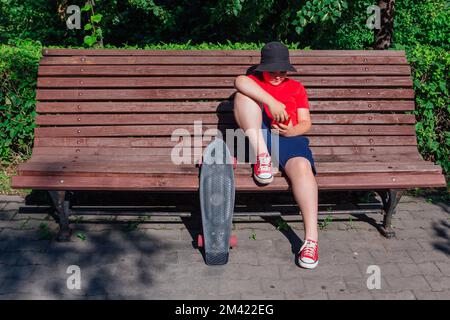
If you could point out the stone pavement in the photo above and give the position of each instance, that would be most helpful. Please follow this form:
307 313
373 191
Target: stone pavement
157 260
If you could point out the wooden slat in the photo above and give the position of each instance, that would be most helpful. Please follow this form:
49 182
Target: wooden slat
413 157
169 130
143 70
135 167
164 53
211 106
320 150
112 153
217 93
368 181
205 82
213 60
129 144
224 118
125 119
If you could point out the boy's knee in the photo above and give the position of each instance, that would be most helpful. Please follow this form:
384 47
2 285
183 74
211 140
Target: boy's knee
241 99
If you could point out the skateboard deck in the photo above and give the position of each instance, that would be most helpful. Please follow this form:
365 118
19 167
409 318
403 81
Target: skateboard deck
217 195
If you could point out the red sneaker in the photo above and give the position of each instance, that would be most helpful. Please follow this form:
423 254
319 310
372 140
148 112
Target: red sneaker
309 254
262 170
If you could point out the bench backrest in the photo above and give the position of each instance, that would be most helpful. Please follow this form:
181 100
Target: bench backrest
127 103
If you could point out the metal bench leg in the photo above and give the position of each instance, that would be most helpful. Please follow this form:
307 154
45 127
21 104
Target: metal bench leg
62 208
390 200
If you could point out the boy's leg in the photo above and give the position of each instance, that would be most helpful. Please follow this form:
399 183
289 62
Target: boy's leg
248 116
304 188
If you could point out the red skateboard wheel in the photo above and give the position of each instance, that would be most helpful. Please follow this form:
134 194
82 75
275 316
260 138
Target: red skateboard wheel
233 241
200 241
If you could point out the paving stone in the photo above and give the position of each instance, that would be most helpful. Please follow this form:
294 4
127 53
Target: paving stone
442 295
359 284
304 296
240 257
416 282
336 235
265 259
409 269
313 286
385 269
278 286
8 259
364 295
419 256
412 234
366 246
27 245
400 245
389 257
397 295
245 272
444 268
163 235
241 286
438 283
5 198
429 268
354 257
233 296
265 296
330 271
432 295
12 206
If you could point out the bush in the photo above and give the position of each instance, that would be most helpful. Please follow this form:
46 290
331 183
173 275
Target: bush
18 72
430 70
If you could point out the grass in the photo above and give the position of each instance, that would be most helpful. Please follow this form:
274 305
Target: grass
432 195
81 236
44 232
6 172
325 223
281 224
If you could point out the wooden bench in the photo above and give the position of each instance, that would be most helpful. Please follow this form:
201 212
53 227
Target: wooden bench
105 119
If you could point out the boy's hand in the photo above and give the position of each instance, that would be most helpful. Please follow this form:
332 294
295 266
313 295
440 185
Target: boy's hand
284 130
278 112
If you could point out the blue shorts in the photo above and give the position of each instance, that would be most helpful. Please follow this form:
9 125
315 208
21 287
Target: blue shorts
288 147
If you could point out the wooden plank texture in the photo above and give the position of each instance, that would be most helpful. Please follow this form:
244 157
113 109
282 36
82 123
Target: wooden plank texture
214 106
368 181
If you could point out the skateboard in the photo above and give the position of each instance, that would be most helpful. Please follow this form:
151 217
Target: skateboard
217 194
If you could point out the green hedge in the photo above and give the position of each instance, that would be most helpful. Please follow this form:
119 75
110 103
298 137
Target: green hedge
18 71
430 72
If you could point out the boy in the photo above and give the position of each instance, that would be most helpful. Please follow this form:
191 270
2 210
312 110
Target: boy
269 100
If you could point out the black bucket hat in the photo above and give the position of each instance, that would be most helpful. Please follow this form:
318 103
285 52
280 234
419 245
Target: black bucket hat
275 57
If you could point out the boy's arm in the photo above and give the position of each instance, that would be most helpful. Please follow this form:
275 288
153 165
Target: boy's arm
251 89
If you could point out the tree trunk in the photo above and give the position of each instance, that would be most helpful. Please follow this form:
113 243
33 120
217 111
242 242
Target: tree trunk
383 36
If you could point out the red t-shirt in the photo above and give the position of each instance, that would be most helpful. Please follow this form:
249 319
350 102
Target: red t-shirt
290 92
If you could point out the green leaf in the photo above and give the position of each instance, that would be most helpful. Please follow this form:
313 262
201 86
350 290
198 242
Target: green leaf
81 235
90 40
87 7
88 27
96 18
